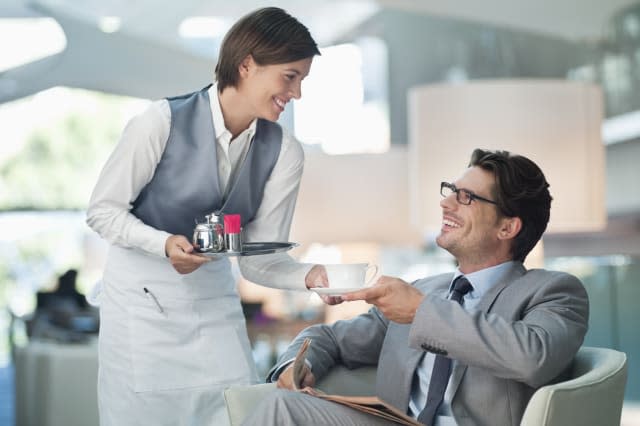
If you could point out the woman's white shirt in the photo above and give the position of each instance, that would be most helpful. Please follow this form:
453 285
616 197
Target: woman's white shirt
132 165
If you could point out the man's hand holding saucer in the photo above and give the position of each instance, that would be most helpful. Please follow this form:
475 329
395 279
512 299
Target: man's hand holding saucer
396 299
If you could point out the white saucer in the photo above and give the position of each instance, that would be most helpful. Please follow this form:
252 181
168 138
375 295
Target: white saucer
334 291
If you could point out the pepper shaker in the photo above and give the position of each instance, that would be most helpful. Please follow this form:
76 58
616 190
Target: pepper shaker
232 227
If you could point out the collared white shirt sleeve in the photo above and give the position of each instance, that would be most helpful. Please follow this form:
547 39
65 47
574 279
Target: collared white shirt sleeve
129 168
272 222
132 165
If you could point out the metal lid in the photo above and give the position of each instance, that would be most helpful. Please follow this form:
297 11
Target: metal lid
215 217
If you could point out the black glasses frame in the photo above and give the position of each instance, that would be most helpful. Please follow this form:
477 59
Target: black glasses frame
468 194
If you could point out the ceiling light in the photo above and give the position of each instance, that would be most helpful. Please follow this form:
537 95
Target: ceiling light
203 27
621 128
39 38
109 24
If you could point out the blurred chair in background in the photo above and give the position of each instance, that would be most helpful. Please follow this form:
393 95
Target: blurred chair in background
63 314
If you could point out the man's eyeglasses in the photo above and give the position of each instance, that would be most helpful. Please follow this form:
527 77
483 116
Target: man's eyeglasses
462 195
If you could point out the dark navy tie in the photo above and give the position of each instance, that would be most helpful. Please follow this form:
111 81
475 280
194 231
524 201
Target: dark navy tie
442 365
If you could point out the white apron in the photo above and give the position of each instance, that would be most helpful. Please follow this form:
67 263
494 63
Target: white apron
171 367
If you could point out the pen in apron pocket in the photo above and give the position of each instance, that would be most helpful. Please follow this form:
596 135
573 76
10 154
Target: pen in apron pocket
151 297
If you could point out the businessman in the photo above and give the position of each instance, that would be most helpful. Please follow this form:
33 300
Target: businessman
468 348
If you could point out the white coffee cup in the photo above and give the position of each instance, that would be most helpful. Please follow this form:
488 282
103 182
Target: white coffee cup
350 275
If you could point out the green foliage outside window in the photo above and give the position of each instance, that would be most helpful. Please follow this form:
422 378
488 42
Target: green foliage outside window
60 162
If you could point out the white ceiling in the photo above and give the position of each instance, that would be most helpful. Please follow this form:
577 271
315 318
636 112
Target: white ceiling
148 40
570 19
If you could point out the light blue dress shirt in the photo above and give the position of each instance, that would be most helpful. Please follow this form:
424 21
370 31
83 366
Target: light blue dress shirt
482 281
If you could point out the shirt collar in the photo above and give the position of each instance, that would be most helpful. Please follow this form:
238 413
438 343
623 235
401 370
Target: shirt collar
484 279
218 118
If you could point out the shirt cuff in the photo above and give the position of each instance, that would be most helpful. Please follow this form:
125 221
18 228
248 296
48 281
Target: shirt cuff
159 243
276 373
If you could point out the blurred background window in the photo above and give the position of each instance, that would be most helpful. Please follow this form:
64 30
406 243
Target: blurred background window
73 73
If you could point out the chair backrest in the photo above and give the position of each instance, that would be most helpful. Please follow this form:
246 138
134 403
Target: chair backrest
342 381
593 395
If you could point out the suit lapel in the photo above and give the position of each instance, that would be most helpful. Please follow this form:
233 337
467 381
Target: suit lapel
410 361
456 378
485 305
490 297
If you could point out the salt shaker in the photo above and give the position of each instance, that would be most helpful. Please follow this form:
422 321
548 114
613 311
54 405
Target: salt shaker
232 228
216 221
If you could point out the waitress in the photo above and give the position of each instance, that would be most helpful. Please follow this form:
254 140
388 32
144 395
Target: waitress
172 333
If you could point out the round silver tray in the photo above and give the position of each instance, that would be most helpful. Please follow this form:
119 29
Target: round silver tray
253 249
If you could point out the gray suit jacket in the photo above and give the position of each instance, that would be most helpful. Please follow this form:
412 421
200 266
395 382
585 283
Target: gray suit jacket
523 334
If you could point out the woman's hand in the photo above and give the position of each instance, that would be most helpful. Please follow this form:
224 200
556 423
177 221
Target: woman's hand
285 380
317 277
180 253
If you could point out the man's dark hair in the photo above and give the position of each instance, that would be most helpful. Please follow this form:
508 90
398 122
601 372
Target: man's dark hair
520 190
270 35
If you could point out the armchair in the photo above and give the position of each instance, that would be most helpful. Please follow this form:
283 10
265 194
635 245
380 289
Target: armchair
593 395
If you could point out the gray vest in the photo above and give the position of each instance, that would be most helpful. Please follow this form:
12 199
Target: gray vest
185 184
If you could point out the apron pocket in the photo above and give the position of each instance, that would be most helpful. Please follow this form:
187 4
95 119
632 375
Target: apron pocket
228 354
179 349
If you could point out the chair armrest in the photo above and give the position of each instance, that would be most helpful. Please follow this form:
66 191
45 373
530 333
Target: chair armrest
242 400
593 396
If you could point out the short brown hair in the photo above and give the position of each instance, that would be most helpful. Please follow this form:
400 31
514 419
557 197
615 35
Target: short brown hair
270 35
520 190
